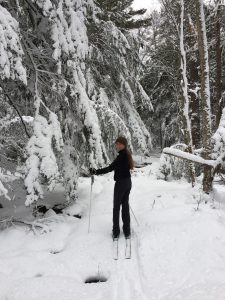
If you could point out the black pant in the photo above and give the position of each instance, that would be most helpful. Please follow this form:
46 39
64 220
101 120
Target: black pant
121 197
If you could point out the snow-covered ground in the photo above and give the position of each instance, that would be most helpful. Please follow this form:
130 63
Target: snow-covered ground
178 252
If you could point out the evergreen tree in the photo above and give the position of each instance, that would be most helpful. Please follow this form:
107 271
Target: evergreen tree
77 75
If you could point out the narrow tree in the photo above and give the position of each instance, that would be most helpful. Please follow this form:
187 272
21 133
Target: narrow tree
218 96
184 95
205 93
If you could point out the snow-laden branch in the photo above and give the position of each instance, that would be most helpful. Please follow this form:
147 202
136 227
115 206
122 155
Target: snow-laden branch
218 153
3 191
41 159
190 157
5 177
10 48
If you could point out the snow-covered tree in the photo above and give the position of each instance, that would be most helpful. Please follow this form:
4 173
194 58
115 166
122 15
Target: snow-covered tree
205 93
184 103
82 65
41 161
10 62
11 51
161 78
115 65
197 69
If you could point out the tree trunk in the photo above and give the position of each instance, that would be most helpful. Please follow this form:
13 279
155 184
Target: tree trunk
218 83
205 93
194 104
184 103
194 80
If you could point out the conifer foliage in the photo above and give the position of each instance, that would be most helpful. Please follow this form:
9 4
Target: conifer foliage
185 47
73 67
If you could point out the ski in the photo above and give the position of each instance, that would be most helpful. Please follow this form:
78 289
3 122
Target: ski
128 248
115 249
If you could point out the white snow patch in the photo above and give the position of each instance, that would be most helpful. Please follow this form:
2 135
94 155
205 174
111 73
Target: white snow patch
178 252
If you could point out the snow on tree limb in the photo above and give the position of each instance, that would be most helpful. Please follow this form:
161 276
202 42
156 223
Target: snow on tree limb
66 77
3 190
5 177
45 5
69 32
41 161
218 153
190 157
11 51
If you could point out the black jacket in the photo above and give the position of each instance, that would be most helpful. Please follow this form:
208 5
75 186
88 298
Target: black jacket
120 165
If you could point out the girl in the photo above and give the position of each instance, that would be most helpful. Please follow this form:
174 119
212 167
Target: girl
121 166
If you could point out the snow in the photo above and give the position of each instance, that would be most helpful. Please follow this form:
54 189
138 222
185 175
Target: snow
11 51
6 177
149 5
206 62
189 156
90 120
111 118
3 191
144 97
177 251
8 120
218 140
69 31
45 5
41 159
184 81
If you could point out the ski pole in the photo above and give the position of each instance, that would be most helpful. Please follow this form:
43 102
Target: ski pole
134 215
89 219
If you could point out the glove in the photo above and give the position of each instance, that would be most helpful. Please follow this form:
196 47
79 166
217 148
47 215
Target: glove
92 171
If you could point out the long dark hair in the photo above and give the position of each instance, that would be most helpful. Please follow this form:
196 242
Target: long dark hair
123 140
130 160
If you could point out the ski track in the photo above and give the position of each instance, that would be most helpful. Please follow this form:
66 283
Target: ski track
127 278
126 282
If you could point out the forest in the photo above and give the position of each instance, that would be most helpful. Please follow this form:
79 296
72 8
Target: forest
77 74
